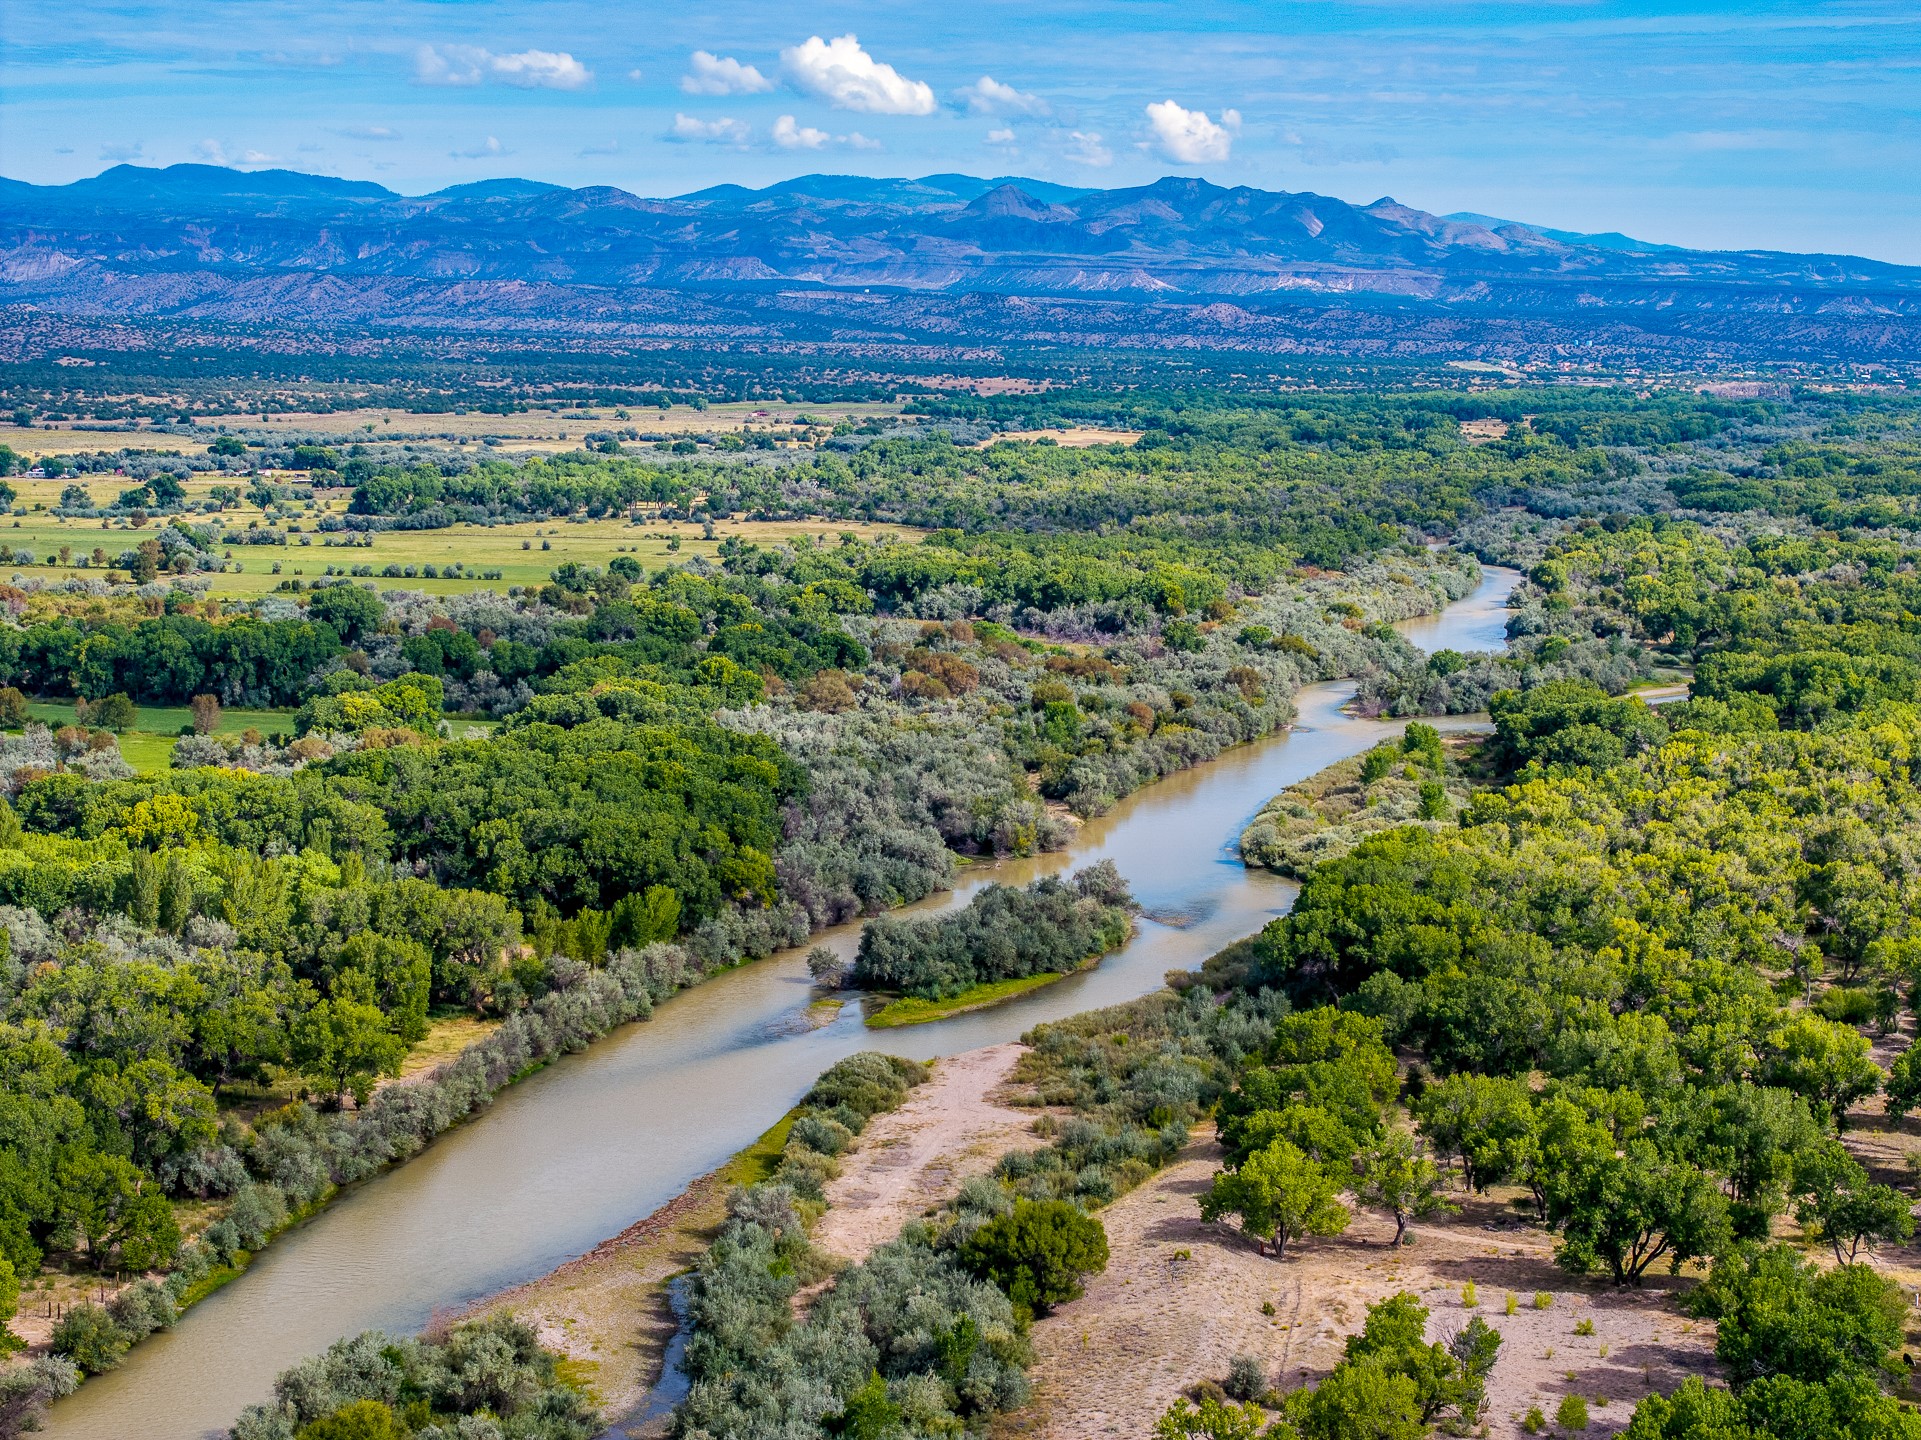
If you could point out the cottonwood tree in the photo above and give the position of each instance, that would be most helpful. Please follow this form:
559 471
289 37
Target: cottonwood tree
1822 1060
344 1042
1486 1120
1392 1177
1839 1205
1626 1211
1280 1194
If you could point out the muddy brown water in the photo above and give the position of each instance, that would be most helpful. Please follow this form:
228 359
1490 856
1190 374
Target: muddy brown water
598 1140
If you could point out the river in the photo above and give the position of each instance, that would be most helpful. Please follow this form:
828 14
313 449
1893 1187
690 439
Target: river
584 1148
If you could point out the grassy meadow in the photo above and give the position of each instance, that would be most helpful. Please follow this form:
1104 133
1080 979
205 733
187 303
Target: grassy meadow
524 553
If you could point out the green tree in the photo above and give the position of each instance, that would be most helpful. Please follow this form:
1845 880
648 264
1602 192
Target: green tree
1392 1177
1754 1135
1486 1120
1824 1061
9 1307
116 713
1564 1139
1696 1411
1038 1253
1361 1400
1218 1420
115 1212
343 1043
1626 1211
353 613
1904 1082
1776 1313
1839 1205
1308 1128
1450 1378
156 1109
1280 1194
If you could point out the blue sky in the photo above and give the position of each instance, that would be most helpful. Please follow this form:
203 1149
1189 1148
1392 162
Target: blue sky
1787 124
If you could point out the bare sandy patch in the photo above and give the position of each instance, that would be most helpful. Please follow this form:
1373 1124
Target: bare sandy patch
911 1159
1179 1299
1479 432
1073 437
608 1312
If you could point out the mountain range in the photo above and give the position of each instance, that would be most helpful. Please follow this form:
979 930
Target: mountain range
204 243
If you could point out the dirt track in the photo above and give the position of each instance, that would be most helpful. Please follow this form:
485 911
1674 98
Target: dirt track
913 1158
1180 1298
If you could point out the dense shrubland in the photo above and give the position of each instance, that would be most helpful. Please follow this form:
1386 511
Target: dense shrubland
1411 780
1051 927
483 1378
909 1337
929 1333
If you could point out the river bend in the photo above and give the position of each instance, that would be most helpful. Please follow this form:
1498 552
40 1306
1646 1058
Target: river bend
596 1141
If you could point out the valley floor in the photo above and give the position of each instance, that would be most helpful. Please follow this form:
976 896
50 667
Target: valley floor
1180 1298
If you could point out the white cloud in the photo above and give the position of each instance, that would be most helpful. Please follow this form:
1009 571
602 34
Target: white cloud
1188 137
1085 148
711 74
541 70
848 78
370 132
1002 136
611 147
121 154
789 134
988 96
636 76
527 69
485 150
214 153
725 131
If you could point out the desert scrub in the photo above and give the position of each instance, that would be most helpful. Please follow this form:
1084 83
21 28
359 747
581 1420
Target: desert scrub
1246 1378
1571 1413
909 1334
356 1387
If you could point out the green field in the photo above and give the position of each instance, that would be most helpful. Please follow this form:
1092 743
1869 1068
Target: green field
148 746
525 553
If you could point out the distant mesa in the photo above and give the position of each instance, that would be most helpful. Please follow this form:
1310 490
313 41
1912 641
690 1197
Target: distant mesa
224 245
